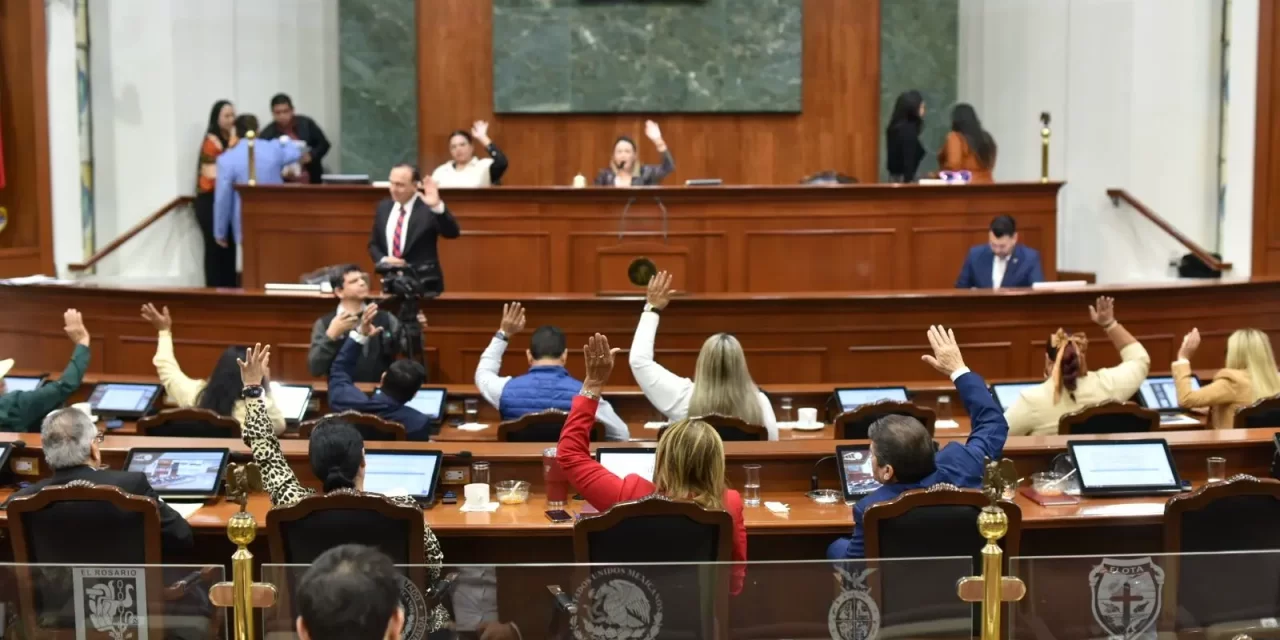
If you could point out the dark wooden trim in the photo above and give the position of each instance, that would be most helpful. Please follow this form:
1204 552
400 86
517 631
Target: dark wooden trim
548 416
1069 423
1263 127
350 500
395 429
720 422
938 495
1263 405
1090 277
1118 195
133 231
189 414
928 417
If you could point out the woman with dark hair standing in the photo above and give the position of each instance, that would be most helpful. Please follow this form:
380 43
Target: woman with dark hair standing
903 150
625 168
968 147
464 169
218 137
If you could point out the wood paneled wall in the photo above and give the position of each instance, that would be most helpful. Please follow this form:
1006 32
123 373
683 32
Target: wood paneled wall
26 244
1266 168
837 130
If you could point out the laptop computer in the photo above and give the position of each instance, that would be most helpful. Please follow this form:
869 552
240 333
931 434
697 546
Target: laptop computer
399 473
123 400
625 461
1007 393
1125 467
853 461
181 474
850 399
293 400
1159 393
22 383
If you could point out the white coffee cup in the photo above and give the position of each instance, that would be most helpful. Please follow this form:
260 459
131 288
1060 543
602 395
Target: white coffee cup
477 494
83 407
808 415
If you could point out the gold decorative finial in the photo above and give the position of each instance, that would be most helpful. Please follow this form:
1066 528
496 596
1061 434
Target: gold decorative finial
242 594
251 136
1044 146
992 589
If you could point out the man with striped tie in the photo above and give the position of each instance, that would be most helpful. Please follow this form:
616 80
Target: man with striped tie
407 223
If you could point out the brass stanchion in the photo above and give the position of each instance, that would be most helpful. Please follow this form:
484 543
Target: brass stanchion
242 595
991 588
250 137
1044 146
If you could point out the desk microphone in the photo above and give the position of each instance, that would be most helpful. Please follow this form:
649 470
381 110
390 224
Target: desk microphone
813 479
622 221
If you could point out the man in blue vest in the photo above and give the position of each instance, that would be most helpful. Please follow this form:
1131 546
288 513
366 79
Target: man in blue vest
548 384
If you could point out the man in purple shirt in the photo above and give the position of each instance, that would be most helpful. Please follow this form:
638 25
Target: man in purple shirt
270 157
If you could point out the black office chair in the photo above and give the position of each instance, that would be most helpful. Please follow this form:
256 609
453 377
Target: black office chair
371 427
189 423
1109 417
1223 593
651 535
854 425
733 429
1263 413
541 426
938 522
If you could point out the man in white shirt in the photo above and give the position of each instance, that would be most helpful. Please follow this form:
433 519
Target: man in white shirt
408 223
547 385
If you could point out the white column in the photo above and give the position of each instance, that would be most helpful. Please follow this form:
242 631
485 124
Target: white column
1242 70
64 134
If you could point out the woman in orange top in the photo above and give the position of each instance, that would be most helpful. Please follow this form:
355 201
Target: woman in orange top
219 262
968 147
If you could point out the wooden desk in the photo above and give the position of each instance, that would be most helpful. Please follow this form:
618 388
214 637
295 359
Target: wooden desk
742 239
805 339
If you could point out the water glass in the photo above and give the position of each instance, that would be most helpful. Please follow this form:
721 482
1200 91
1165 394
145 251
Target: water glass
944 407
472 408
1217 469
784 405
751 488
480 473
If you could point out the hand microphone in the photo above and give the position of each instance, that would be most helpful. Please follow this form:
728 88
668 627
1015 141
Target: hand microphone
813 479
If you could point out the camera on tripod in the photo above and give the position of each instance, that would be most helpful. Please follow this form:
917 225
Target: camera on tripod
411 280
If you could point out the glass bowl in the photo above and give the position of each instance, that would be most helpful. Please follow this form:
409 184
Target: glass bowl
512 491
1048 483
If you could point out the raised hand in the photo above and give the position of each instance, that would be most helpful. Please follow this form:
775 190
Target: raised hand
73 324
158 319
512 319
480 131
254 366
430 192
1104 312
366 322
659 292
599 362
946 356
341 324
1190 343
652 132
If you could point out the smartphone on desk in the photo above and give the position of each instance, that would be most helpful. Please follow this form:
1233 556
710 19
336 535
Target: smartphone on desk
559 516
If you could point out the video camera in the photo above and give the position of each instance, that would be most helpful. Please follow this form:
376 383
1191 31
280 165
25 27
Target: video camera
411 281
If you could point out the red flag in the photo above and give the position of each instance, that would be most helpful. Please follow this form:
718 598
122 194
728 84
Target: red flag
1 162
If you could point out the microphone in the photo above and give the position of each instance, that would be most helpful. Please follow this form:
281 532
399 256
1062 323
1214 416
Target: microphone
622 221
813 479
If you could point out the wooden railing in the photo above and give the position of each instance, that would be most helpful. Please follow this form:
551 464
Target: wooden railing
1198 251
128 235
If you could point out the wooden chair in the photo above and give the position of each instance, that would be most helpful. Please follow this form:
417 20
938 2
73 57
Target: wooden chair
541 426
1109 417
1224 594
49 528
189 423
733 429
652 535
919 598
1263 413
854 425
300 532
371 427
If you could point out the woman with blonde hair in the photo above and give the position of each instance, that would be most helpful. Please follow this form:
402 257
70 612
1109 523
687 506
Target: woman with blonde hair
689 464
1249 376
722 383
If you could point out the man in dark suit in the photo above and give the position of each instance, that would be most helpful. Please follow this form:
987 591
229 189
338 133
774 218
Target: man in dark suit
286 122
399 384
408 223
70 442
1002 263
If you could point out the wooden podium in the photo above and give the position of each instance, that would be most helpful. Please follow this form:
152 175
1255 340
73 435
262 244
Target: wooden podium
556 240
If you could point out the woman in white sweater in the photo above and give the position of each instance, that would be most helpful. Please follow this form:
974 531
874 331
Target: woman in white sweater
722 384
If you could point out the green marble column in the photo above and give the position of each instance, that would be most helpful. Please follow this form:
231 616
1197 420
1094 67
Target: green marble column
379 78
918 50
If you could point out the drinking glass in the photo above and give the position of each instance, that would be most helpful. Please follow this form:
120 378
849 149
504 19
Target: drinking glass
480 473
944 407
1217 469
554 478
784 405
751 489
472 408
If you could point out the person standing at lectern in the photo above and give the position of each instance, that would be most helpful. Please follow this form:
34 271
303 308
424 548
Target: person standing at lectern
1001 262
270 158
625 169
287 123
407 224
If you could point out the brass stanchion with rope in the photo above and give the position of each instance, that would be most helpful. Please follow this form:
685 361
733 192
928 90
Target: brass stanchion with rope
993 589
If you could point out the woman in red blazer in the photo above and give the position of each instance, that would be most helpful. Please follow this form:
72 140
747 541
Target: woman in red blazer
689 463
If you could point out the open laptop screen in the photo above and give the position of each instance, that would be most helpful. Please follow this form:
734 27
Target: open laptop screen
1008 393
851 399
1159 392
178 472
1129 466
623 462
412 473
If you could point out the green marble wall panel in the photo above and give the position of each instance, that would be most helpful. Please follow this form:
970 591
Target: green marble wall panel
597 56
379 79
918 50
